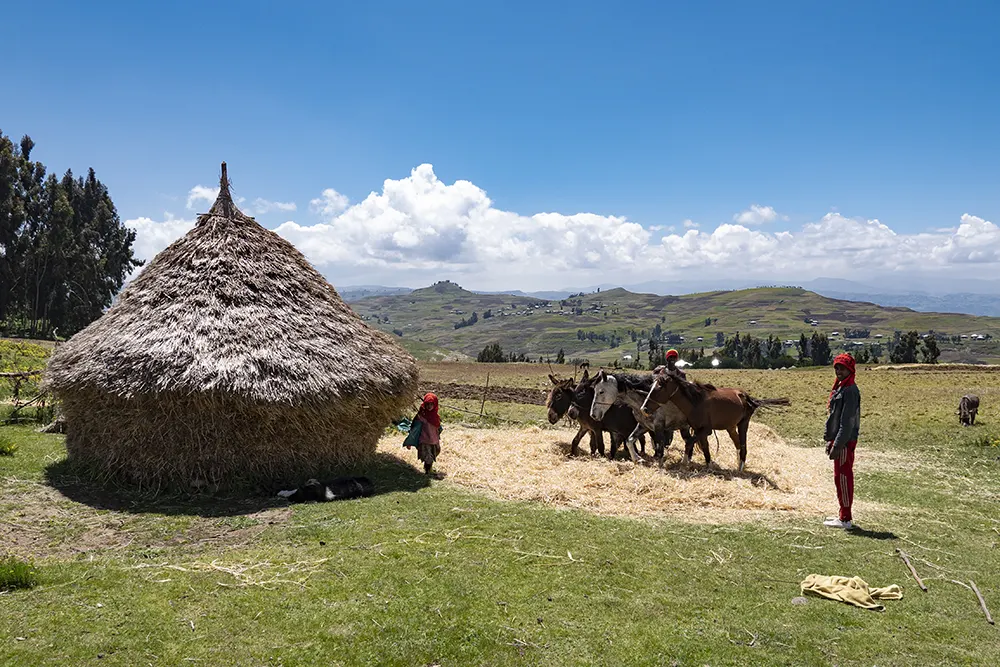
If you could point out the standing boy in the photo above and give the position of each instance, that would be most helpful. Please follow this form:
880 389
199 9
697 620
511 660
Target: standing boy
842 427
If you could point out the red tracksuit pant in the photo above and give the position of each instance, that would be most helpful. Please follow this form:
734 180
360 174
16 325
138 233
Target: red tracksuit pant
843 478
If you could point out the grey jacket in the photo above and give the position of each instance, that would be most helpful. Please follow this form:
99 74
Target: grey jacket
844 422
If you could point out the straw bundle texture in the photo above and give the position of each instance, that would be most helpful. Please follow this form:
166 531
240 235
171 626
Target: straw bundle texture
532 464
229 357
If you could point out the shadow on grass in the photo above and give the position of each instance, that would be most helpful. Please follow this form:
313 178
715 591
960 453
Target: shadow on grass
681 470
388 473
872 534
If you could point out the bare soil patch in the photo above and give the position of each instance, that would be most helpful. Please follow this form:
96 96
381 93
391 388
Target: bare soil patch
37 521
475 392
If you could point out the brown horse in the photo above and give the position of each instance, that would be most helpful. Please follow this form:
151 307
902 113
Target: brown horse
566 396
708 409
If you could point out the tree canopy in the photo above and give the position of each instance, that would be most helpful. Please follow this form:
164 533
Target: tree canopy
64 252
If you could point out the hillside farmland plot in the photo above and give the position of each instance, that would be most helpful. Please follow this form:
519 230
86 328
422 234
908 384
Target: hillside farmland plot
586 325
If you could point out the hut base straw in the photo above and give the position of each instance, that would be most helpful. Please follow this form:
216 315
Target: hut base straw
208 442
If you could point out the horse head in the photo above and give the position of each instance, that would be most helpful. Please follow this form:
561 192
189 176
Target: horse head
559 399
605 394
663 389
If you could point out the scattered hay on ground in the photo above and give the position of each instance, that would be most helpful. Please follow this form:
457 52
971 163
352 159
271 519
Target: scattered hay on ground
533 464
266 574
937 368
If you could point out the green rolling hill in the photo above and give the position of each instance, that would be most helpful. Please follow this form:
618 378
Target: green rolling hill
587 325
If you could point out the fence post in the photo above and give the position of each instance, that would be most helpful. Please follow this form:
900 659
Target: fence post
482 406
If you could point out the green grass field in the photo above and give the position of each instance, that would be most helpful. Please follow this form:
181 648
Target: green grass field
427 572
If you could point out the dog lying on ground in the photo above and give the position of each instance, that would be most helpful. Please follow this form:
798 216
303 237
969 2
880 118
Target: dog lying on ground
343 488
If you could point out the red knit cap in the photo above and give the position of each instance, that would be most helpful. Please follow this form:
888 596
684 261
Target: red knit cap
845 360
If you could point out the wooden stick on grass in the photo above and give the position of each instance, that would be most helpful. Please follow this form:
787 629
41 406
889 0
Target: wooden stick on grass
982 602
486 389
913 571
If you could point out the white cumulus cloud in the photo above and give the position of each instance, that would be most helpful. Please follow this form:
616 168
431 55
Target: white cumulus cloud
757 215
330 203
201 193
152 236
420 223
418 229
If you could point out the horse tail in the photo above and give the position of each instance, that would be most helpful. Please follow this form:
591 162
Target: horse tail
757 403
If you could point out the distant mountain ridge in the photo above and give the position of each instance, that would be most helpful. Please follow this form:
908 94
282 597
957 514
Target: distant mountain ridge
356 292
984 301
607 325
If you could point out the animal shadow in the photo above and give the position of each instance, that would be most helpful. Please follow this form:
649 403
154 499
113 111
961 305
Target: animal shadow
696 469
677 468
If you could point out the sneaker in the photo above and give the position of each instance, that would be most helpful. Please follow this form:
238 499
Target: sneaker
834 522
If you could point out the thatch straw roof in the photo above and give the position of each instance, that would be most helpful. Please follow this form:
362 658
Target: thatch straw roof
233 308
229 360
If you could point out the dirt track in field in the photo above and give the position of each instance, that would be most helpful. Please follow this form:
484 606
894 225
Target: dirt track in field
475 392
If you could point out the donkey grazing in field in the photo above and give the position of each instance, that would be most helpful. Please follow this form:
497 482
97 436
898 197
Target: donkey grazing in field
708 409
968 408
632 390
566 397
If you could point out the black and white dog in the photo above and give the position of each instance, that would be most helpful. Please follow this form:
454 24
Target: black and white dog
343 488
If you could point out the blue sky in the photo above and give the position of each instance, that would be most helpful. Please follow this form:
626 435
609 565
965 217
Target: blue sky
652 112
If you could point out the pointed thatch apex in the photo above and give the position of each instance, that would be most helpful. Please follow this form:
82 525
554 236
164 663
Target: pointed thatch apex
223 205
228 357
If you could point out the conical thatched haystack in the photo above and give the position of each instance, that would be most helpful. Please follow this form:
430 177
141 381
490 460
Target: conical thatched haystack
229 360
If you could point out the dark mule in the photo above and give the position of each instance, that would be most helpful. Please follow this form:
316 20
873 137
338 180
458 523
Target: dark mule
632 390
619 422
968 408
708 409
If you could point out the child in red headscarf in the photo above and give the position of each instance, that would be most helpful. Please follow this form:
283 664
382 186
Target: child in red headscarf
842 428
429 446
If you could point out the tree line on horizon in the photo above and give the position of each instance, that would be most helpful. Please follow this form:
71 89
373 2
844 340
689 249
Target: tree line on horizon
747 351
64 252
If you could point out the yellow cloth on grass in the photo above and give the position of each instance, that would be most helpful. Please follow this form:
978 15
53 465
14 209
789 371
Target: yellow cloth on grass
852 590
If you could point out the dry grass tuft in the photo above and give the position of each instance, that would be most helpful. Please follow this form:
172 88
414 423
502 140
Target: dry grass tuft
266 574
533 464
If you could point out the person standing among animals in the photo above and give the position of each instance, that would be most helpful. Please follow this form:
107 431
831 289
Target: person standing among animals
842 429
671 358
429 443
